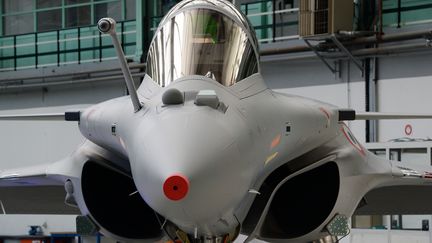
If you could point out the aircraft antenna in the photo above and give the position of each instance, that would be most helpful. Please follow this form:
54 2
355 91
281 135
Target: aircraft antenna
107 26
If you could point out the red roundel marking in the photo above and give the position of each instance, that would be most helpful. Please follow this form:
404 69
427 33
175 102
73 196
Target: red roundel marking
352 140
408 130
326 113
176 187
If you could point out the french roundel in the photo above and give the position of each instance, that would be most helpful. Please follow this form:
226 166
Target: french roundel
352 140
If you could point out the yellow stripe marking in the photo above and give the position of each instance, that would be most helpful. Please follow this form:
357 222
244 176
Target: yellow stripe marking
271 157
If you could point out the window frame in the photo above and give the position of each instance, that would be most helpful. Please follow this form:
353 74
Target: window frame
63 7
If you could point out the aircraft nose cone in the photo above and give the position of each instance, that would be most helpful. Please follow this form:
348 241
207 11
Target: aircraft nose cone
185 164
176 187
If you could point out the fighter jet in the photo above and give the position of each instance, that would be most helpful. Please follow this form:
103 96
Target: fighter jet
204 151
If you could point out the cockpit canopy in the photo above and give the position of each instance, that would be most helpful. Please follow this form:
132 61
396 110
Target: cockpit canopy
203 37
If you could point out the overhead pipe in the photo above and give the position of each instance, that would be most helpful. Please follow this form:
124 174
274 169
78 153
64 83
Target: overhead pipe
390 37
359 41
380 16
382 51
77 73
284 50
57 83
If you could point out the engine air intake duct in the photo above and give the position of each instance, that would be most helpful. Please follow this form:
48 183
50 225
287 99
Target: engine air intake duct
303 203
107 195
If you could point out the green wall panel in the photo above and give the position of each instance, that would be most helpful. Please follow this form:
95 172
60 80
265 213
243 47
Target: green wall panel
411 12
68 39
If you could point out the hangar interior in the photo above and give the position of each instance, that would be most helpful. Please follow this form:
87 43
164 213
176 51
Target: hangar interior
361 54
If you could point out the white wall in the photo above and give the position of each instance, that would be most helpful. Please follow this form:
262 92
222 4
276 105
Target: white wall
24 143
405 86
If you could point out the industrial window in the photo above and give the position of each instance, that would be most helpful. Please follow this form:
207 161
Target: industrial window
406 12
13 6
18 24
284 4
78 16
69 2
49 20
28 16
130 9
29 36
273 20
47 3
107 9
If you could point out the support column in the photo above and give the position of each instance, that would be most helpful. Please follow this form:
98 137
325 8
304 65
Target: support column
430 230
35 20
371 78
123 10
389 229
1 19
264 20
1 31
63 14
143 24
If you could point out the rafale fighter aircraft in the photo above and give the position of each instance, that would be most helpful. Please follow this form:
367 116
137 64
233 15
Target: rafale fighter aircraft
205 151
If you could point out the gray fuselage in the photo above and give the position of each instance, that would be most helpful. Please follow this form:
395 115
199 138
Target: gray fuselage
224 153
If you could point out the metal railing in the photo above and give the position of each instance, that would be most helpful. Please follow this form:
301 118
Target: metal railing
85 44
401 15
65 46
271 23
418 149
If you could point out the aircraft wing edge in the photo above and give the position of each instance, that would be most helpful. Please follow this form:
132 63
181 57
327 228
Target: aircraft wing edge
351 115
49 174
407 191
65 116
28 176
